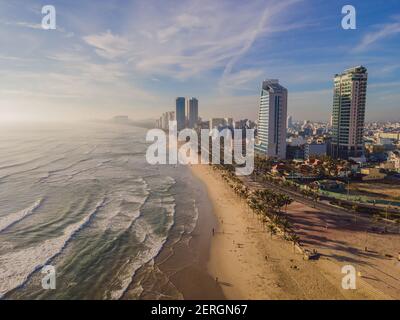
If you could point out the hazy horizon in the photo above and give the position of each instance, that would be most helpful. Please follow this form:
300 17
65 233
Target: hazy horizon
134 58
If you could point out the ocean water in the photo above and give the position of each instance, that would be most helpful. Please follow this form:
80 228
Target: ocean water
83 199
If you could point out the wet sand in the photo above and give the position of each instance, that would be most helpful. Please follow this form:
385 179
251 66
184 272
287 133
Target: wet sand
185 262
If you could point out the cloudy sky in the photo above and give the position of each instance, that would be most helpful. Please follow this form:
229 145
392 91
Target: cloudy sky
134 57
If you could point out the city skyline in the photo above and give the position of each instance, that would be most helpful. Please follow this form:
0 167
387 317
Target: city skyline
138 61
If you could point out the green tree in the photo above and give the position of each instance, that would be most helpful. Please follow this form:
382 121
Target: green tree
271 229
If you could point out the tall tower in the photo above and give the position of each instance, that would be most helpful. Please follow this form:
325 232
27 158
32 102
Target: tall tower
272 120
290 121
348 115
180 113
192 112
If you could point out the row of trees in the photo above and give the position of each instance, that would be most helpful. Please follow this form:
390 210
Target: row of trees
268 205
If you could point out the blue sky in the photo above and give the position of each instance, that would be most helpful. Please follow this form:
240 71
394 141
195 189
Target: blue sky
134 57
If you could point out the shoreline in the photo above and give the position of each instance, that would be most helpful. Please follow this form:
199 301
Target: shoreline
250 264
185 262
239 265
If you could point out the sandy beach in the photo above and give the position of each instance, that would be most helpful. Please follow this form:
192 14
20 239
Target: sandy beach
250 264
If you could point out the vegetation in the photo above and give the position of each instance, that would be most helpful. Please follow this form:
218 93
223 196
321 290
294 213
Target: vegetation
268 205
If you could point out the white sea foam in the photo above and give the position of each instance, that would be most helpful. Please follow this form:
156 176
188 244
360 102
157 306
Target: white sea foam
119 217
153 242
11 219
191 226
17 266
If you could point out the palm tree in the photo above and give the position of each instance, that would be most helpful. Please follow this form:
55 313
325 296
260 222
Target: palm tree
295 239
285 224
271 229
286 201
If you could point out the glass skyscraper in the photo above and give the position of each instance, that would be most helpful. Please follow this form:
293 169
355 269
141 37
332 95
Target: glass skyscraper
180 112
192 112
272 120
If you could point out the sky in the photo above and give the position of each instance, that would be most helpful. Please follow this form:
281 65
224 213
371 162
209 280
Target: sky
114 57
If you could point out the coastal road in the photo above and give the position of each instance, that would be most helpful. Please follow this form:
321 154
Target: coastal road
326 208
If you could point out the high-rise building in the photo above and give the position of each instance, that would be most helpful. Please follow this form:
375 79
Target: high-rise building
180 113
348 116
164 120
290 122
272 120
171 116
192 112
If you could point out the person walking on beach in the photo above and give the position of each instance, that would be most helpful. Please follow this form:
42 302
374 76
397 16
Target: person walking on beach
213 231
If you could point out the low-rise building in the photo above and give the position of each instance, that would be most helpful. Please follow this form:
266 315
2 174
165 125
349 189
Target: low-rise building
294 152
329 185
314 150
392 163
389 135
370 174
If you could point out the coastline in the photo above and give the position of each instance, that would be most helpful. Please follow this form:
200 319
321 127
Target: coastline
250 264
190 256
242 261
183 263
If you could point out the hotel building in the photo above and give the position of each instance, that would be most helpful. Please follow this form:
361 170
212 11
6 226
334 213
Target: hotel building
348 115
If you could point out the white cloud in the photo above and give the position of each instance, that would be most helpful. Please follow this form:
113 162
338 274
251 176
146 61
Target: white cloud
192 39
263 24
183 23
28 25
108 45
238 80
385 31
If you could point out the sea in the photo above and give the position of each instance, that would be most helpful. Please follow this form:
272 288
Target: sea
82 198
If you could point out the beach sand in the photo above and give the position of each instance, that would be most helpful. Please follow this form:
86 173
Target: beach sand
249 264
